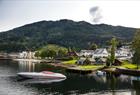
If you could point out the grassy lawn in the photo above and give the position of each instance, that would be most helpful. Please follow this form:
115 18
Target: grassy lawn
85 67
70 62
128 65
90 67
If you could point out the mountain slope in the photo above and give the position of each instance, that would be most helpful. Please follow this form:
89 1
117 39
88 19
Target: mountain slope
64 32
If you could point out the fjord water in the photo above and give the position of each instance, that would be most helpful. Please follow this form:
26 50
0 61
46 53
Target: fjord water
92 84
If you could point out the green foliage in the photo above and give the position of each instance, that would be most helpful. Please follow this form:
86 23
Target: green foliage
113 48
90 67
108 62
44 53
128 65
120 44
65 58
64 32
37 54
93 46
70 62
136 48
69 49
62 52
52 51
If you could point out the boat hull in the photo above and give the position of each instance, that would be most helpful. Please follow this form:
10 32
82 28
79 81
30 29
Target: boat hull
41 75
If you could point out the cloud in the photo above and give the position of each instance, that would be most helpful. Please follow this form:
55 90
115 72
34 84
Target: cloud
96 14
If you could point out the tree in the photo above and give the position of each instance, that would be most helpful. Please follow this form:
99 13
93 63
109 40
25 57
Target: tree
37 54
69 49
113 48
62 52
93 46
44 54
136 48
119 44
108 62
52 51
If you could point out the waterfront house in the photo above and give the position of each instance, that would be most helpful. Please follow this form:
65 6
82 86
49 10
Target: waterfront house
124 53
86 53
23 54
27 55
81 61
100 53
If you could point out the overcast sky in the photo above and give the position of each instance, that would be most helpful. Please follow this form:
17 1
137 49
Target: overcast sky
15 13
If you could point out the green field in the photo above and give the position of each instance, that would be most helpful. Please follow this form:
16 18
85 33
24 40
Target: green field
70 62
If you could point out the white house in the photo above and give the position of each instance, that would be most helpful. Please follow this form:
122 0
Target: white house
27 55
124 53
23 54
98 53
86 52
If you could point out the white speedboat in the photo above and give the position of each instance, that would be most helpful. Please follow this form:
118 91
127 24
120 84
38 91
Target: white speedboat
42 75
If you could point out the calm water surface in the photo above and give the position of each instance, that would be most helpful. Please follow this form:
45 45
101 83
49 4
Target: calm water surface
75 84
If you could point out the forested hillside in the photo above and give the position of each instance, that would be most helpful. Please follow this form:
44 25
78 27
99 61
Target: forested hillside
64 32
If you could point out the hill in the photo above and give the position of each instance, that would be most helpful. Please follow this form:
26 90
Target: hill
64 32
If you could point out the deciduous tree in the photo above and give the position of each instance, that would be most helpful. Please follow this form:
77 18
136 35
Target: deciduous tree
93 46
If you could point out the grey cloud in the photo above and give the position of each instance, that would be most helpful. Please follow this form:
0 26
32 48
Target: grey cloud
96 14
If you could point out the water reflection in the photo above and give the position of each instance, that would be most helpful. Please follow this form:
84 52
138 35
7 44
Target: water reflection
39 81
136 84
26 66
113 80
107 84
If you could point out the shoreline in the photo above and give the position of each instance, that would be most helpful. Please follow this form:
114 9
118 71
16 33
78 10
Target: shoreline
33 60
76 69
68 68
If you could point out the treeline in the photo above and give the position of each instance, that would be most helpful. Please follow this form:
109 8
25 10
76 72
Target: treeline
52 51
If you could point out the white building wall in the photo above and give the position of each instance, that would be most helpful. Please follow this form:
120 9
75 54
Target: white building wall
100 53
